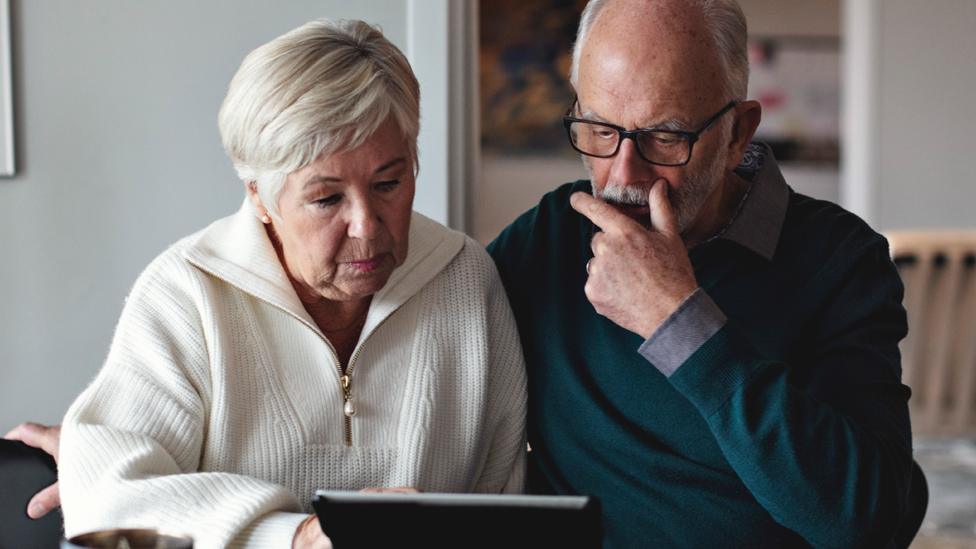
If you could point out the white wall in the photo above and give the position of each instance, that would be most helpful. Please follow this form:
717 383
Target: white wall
510 185
118 155
926 105
911 104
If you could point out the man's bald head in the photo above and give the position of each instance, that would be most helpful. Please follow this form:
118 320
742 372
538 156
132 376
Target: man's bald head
647 25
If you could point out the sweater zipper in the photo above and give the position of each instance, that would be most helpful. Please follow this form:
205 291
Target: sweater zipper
345 380
345 377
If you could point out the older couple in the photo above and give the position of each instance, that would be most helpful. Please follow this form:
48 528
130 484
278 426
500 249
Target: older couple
709 353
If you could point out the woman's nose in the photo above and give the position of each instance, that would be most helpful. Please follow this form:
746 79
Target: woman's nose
364 221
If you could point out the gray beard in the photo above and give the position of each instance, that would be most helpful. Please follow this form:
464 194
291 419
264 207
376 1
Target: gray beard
686 200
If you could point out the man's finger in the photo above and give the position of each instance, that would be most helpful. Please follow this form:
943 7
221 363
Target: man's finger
44 502
595 243
660 209
599 212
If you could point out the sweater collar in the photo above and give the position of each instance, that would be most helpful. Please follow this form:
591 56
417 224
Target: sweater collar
237 250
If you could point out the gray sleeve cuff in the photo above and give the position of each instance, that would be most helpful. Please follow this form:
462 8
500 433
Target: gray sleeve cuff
693 323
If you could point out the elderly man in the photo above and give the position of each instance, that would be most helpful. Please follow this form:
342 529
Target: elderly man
711 354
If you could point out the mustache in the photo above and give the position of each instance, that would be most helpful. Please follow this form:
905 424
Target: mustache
623 195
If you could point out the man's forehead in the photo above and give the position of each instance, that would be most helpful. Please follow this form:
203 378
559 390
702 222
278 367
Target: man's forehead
635 105
646 94
653 18
663 43
664 121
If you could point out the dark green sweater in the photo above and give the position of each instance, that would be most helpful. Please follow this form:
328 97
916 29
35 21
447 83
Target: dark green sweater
787 427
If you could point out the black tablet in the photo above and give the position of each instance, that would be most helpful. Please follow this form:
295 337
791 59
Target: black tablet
365 520
24 471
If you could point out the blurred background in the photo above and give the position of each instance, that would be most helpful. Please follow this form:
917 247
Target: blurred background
113 154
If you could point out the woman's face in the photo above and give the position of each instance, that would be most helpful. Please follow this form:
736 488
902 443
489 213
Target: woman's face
344 219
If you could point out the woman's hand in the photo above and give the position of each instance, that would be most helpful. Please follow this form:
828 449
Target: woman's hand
47 439
309 535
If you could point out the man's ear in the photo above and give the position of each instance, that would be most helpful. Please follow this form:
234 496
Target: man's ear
747 117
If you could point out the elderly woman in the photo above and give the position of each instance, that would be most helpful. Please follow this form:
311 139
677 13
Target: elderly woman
324 336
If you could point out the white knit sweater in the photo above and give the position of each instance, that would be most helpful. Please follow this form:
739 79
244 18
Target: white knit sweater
218 412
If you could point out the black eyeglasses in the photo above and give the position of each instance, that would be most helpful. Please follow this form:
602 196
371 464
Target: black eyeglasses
657 146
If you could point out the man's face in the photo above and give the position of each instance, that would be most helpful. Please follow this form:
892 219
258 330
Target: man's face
687 195
669 82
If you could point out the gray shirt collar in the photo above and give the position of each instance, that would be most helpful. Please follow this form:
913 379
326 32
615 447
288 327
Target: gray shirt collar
759 220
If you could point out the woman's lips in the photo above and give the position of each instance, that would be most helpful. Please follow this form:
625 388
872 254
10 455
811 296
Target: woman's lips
367 265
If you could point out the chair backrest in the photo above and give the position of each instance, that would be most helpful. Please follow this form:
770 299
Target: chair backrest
939 354
23 472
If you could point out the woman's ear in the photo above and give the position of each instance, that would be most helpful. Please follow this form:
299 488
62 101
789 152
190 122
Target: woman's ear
252 192
747 117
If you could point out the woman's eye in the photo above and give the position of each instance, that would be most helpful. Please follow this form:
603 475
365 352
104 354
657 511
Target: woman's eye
330 200
387 186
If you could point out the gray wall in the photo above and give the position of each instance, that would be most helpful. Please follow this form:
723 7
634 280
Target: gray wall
118 155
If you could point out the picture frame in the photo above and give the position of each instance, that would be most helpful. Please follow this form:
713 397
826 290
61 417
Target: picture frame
7 160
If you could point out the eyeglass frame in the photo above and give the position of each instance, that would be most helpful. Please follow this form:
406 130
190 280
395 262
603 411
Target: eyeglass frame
691 136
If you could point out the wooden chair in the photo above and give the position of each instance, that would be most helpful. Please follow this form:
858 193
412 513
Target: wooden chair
939 354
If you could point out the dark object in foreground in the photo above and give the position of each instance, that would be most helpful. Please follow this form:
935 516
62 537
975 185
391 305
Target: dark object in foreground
351 520
131 538
25 471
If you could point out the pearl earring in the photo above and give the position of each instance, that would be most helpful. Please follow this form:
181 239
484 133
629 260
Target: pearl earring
265 219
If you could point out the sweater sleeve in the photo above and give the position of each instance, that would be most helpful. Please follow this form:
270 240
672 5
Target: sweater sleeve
132 441
504 470
824 445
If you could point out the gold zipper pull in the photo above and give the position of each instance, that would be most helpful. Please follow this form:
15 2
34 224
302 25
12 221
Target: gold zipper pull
348 408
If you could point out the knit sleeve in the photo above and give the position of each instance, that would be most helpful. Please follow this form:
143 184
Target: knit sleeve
132 441
828 454
504 469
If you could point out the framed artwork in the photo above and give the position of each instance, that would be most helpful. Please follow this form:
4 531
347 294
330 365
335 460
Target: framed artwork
524 55
7 168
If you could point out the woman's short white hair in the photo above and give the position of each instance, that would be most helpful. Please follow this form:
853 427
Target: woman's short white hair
324 87
726 23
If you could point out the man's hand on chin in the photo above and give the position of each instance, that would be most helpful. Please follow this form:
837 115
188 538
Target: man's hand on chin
638 277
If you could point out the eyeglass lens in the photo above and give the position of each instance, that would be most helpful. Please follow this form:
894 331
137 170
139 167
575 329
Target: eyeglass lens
600 140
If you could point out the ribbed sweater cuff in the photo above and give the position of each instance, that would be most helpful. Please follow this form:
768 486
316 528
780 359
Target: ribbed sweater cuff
272 530
716 370
684 332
